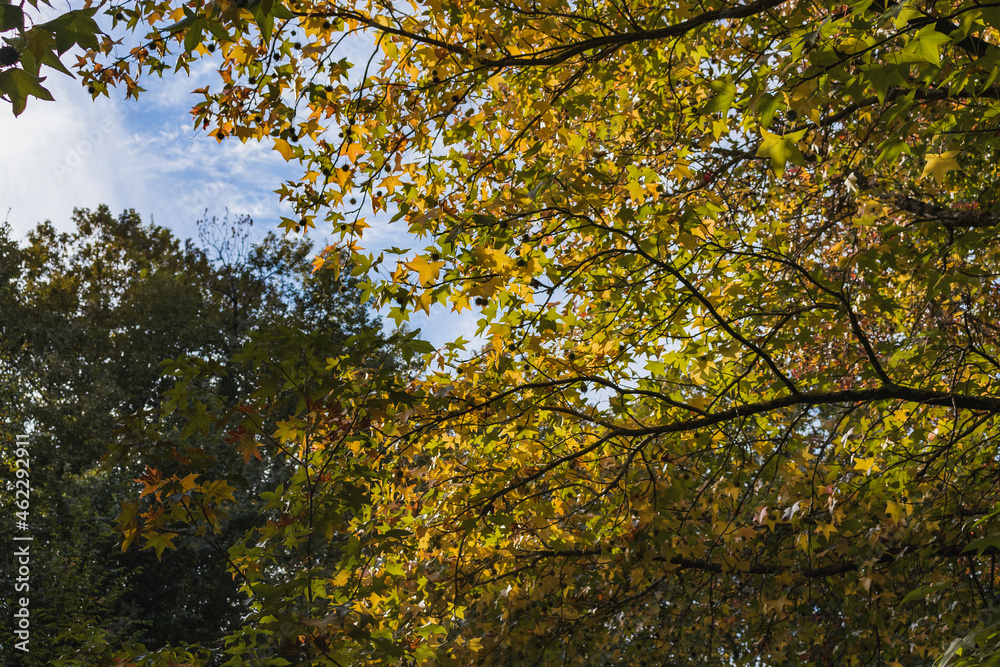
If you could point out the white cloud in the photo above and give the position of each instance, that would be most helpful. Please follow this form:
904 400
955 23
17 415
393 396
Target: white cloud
76 152
146 155
58 155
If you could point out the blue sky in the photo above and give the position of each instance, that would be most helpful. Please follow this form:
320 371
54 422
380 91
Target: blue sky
76 152
145 155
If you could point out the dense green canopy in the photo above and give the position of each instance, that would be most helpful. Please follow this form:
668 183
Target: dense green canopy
89 315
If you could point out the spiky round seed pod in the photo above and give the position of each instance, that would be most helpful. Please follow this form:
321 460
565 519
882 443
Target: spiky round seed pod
9 56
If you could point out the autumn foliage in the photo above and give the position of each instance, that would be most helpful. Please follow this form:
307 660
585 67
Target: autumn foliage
736 266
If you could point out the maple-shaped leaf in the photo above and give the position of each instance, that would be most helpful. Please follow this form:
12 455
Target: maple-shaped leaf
925 46
18 85
159 542
427 271
352 151
390 183
781 149
189 482
939 164
865 465
220 490
284 148
75 27
249 449
288 429
151 482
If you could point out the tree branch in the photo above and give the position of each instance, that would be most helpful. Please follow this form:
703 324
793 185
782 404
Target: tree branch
833 569
890 392
949 217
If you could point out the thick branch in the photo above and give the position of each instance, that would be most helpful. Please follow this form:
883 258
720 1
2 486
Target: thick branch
887 393
369 22
563 53
947 216
833 569
559 54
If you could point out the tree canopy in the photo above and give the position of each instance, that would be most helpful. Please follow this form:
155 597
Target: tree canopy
89 316
736 265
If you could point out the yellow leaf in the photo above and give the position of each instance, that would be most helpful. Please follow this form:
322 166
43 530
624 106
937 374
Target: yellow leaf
940 164
390 183
427 271
459 302
189 482
423 301
341 176
896 511
776 605
159 542
492 258
352 151
284 148
866 465
826 529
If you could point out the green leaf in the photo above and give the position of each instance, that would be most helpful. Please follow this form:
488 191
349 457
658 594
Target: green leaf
725 92
218 30
925 46
781 149
73 28
18 85
990 542
38 51
922 592
265 21
884 77
891 149
52 60
159 542
175 28
767 105
991 15
193 37
11 18
280 11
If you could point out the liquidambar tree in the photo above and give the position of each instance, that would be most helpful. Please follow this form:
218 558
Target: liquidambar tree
737 269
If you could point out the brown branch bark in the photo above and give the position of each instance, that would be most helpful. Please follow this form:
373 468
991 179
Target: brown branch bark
832 569
948 217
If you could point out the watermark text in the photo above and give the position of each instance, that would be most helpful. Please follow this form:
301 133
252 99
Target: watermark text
22 544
